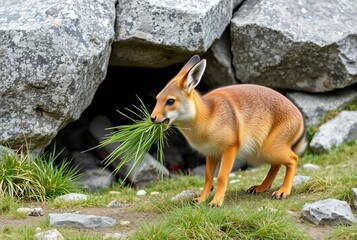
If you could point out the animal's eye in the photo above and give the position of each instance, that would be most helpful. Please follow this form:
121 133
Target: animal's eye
170 102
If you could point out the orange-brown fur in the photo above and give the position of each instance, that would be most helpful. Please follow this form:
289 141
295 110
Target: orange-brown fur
255 123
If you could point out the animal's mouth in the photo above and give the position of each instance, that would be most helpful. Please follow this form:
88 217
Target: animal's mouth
166 121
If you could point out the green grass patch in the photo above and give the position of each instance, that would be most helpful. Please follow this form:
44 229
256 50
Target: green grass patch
23 233
55 179
35 178
203 222
17 179
6 203
343 153
243 216
343 233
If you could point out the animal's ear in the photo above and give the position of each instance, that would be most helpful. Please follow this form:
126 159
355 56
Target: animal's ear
187 67
194 76
190 63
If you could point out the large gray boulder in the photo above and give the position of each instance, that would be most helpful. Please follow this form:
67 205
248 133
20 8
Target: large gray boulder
53 56
219 71
161 33
314 106
302 45
341 129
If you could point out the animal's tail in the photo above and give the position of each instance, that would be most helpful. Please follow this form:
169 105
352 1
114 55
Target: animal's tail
300 144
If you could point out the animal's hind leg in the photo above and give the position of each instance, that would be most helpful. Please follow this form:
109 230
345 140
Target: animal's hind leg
268 181
291 160
277 151
283 155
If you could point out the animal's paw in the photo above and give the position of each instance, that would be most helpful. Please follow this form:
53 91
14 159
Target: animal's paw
256 189
216 203
252 190
280 194
198 200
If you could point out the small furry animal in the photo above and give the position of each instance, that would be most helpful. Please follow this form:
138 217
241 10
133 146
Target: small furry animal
257 123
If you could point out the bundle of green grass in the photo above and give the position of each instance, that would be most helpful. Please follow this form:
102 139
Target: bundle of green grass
135 139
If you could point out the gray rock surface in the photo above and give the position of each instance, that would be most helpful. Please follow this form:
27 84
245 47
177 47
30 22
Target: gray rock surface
330 212
341 129
53 56
96 179
52 234
219 71
303 45
160 33
185 195
299 179
74 220
75 197
314 106
31 211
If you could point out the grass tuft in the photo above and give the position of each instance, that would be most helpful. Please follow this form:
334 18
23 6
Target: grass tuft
203 222
6 202
343 233
135 139
17 179
35 178
56 179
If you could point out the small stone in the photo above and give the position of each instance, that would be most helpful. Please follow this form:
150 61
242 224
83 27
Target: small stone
141 193
310 166
154 193
234 181
24 210
299 179
113 204
75 197
124 223
31 211
232 175
83 221
330 212
49 235
185 195
36 212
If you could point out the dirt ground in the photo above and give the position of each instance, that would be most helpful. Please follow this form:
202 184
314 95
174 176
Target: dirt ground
121 213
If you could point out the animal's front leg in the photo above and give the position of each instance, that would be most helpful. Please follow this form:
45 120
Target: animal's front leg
227 161
211 165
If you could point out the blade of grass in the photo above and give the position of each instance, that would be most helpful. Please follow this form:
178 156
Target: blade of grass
135 140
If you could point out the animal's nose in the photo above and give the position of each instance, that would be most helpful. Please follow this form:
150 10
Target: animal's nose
153 118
